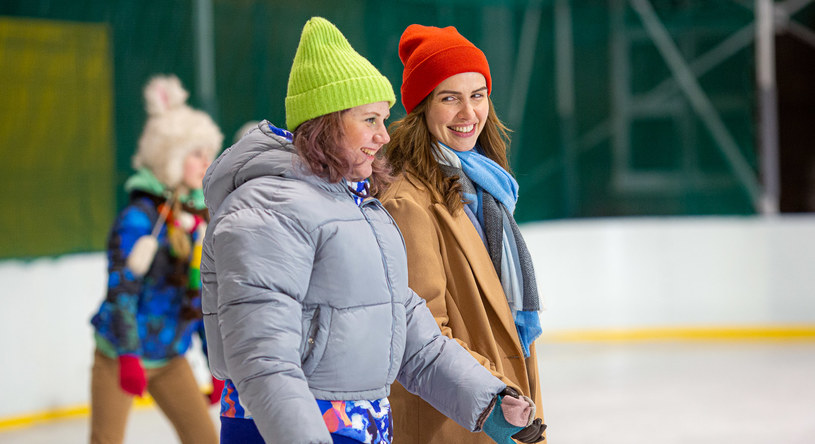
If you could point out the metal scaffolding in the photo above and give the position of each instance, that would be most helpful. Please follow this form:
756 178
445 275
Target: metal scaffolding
770 19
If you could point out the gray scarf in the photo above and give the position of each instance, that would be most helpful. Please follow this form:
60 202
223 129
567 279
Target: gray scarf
502 238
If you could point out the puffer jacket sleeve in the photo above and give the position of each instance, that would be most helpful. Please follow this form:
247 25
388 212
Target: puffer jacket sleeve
124 287
441 372
263 262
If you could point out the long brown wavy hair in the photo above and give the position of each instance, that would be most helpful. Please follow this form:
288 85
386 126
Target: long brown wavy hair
413 149
320 144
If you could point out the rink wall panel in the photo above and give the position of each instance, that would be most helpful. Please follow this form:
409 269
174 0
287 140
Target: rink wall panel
595 275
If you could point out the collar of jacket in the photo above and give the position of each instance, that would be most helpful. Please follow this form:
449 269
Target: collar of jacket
260 153
300 171
146 182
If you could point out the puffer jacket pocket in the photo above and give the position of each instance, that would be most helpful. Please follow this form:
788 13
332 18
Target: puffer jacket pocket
315 327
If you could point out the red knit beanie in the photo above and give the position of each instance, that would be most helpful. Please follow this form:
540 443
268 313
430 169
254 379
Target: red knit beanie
431 55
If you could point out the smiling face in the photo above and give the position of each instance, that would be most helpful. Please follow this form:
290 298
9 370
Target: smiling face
365 133
195 167
458 110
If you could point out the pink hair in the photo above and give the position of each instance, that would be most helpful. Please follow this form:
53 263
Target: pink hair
320 142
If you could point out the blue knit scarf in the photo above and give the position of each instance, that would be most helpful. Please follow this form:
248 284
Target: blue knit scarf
491 193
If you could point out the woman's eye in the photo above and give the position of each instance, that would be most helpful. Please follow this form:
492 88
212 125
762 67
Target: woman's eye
371 120
478 96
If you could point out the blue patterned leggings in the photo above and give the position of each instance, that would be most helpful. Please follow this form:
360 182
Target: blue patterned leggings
244 431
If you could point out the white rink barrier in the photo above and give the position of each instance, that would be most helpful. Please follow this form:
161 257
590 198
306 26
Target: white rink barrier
594 274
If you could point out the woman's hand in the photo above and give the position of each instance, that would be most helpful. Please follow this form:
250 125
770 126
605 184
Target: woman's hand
131 375
513 417
518 410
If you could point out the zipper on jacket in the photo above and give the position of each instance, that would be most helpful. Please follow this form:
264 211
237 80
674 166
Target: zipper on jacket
376 203
312 333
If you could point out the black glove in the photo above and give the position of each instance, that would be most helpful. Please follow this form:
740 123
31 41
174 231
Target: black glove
531 433
509 391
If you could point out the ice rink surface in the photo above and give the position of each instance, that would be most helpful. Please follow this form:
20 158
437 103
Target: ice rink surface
633 392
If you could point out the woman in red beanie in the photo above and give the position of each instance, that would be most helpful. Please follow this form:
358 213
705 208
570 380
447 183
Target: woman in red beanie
453 201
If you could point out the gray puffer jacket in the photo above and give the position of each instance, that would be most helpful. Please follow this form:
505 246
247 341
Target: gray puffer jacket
305 296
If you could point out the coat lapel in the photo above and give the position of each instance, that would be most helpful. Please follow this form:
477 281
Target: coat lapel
465 233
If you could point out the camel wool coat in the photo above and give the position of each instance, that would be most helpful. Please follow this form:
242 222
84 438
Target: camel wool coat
449 266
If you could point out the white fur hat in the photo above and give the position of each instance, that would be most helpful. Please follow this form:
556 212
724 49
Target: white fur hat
172 131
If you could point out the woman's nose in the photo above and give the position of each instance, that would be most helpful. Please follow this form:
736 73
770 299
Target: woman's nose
382 136
466 111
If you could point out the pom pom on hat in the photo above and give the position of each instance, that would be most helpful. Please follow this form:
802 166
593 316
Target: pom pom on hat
164 93
432 54
327 75
173 130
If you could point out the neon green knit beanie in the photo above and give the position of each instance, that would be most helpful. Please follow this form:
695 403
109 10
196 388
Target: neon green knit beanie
327 75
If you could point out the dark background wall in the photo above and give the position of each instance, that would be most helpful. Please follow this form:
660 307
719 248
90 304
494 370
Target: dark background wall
630 144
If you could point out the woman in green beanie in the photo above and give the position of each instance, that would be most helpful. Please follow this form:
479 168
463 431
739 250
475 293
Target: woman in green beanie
308 315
